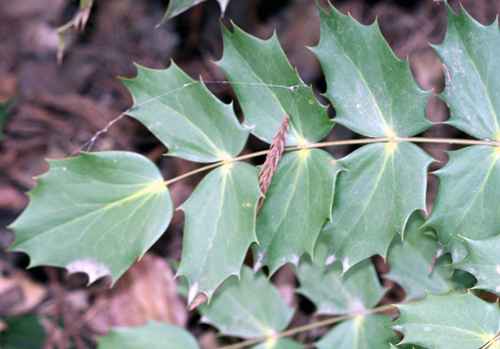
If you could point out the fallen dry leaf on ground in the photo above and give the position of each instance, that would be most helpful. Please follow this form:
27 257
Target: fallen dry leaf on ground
18 293
146 291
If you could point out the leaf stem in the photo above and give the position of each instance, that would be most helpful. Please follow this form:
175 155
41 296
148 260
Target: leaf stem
450 141
337 143
491 342
306 328
220 163
201 169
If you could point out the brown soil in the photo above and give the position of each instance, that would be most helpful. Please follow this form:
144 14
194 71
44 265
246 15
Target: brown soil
59 108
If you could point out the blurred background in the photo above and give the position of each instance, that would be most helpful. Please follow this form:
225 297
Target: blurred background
56 109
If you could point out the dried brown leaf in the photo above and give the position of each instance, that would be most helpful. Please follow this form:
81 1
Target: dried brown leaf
146 291
18 293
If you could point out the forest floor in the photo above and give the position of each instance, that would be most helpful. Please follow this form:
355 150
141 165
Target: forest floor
59 108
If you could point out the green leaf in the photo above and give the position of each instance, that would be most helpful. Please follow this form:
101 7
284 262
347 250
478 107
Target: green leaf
373 92
248 308
176 7
483 262
185 116
383 185
298 202
411 260
5 110
470 55
220 226
452 321
96 213
153 335
333 293
268 88
361 332
467 202
280 343
23 332
83 16
62 35
86 3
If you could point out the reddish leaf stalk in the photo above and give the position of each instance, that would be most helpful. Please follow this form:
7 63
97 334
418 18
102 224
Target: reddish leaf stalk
272 159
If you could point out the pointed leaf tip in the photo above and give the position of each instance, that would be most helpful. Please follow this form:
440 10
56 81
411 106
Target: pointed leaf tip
470 85
354 292
374 93
268 88
176 7
467 181
411 260
116 198
185 116
483 262
466 321
248 308
219 227
297 204
374 200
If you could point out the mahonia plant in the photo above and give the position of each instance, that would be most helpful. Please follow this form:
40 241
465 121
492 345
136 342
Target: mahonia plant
77 22
98 212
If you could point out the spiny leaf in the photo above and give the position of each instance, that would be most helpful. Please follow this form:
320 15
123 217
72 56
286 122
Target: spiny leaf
185 116
86 3
297 204
373 92
268 88
483 261
248 308
153 335
384 184
361 332
470 59
83 16
452 321
96 214
411 261
176 7
467 202
333 293
220 226
62 35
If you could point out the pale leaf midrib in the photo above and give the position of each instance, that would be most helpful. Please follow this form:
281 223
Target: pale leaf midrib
149 189
211 238
481 189
273 233
486 90
379 111
184 117
292 123
368 199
